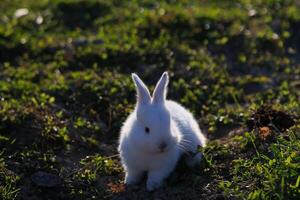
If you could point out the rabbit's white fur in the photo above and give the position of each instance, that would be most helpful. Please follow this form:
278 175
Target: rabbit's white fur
168 123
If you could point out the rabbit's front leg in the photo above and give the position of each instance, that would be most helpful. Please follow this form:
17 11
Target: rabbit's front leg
133 176
156 177
194 160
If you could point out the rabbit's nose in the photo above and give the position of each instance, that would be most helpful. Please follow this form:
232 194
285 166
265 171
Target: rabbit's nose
162 146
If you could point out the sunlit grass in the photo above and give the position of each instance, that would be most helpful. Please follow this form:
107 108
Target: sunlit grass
65 90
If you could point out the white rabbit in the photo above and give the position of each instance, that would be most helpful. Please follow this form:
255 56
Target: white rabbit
156 134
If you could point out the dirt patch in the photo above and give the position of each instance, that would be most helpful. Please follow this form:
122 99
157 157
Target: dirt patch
266 116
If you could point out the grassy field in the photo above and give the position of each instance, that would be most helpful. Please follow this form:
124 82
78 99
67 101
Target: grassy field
65 90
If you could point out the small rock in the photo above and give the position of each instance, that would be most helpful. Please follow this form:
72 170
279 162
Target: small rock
98 41
252 12
45 179
80 42
21 12
39 20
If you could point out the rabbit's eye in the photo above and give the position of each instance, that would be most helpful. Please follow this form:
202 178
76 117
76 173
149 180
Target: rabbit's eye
147 130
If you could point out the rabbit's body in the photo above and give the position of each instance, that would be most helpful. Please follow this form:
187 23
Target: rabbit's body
155 135
187 126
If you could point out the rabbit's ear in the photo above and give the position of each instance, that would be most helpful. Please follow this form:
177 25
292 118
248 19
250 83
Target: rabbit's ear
160 91
143 94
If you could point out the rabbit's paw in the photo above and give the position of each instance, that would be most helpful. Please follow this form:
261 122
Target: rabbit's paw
132 178
194 160
155 179
153 184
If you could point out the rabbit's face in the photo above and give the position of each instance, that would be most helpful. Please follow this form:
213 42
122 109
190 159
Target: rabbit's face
153 130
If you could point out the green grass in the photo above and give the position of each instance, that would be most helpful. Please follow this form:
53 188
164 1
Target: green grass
66 89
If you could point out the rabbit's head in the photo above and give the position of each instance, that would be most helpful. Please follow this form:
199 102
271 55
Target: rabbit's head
153 131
